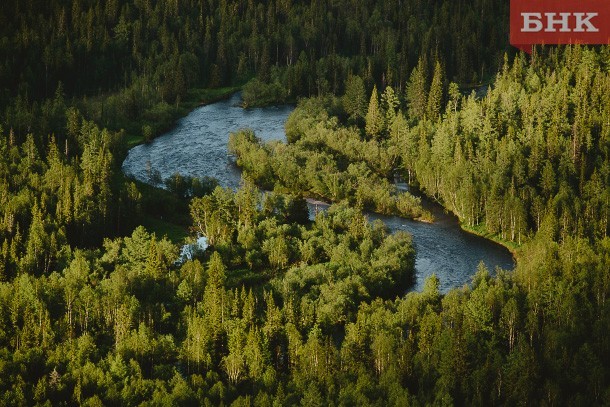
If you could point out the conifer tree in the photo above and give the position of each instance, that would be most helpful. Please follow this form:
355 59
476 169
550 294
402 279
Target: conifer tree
390 104
435 96
416 91
375 122
354 100
214 295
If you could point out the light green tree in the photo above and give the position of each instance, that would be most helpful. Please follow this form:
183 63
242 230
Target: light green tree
354 99
375 121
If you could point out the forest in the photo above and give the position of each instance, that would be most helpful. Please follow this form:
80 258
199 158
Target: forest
287 308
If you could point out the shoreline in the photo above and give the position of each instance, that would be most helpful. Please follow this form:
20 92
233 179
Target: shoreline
176 231
218 98
479 231
197 98
315 201
226 93
513 248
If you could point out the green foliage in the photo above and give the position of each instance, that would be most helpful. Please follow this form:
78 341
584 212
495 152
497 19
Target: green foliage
417 90
327 161
435 95
280 309
529 155
54 199
390 104
354 99
257 93
188 187
375 121
121 324
150 54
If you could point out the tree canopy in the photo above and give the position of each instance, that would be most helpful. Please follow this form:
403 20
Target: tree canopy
284 308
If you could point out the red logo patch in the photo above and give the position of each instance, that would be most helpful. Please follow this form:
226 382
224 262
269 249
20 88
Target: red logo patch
549 22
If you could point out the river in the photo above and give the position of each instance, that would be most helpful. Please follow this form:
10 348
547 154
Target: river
197 146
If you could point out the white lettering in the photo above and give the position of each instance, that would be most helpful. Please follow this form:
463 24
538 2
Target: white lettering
581 22
563 21
531 22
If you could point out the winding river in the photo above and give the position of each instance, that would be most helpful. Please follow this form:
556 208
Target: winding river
197 146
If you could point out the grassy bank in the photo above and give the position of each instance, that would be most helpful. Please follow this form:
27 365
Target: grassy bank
480 230
163 213
163 228
163 117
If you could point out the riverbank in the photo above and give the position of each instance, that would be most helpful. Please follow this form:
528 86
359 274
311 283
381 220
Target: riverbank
481 231
317 202
160 207
198 146
166 120
478 230
163 213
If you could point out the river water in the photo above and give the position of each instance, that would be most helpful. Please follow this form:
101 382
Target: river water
197 147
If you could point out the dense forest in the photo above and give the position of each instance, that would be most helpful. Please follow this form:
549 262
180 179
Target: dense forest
136 60
531 154
284 308
336 178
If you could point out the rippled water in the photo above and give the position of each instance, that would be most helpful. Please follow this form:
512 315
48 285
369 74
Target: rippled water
444 249
197 146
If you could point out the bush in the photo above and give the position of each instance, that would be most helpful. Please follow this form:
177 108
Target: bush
257 93
147 133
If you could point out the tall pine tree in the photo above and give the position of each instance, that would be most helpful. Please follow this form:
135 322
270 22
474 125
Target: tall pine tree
375 121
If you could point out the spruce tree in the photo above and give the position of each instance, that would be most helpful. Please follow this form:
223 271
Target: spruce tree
375 122
390 104
435 96
354 100
416 91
